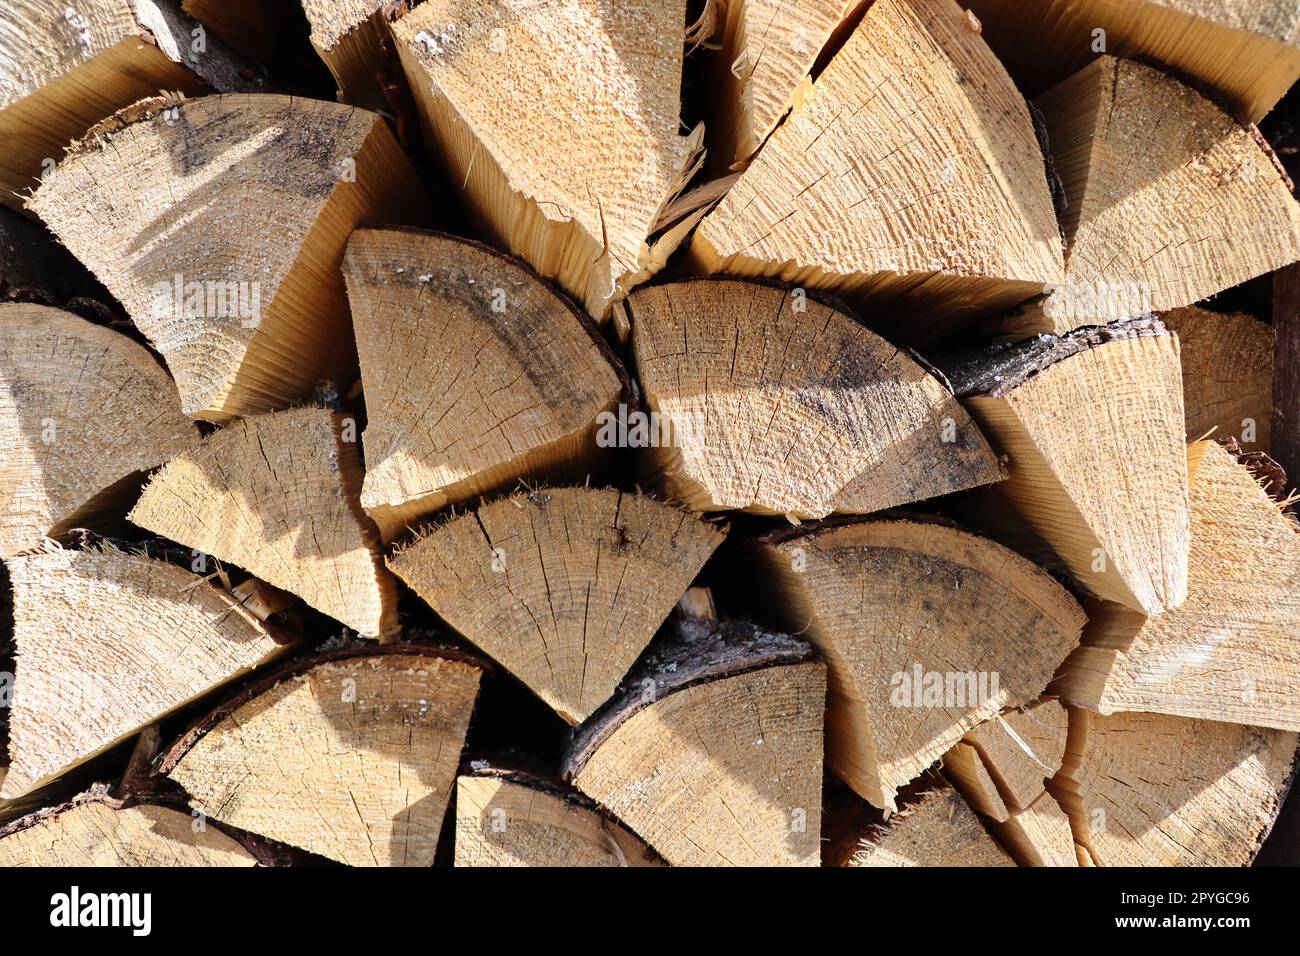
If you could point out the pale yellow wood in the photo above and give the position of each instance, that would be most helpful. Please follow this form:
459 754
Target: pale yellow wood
246 202
771 402
563 586
108 642
348 35
1023 748
510 379
965 767
937 830
84 412
1040 835
353 759
279 495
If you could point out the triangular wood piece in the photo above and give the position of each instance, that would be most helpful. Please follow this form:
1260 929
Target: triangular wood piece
769 401
909 174
732 716
928 630
96 830
511 376
84 411
1247 52
1082 417
366 741
561 127
935 829
219 223
512 819
1231 651
349 35
108 642
1152 790
1227 374
278 495
1169 200
562 586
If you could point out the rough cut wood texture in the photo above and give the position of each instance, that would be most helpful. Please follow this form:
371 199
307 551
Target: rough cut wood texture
278 495
563 586
220 223
108 642
1231 651
910 176
352 758
561 125
938 829
349 36
84 412
898 607
511 377
772 402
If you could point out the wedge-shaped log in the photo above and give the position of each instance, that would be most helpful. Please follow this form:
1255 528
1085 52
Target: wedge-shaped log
1080 416
279 496
219 223
108 642
514 819
84 412
1153 790
368 741
927 630
97 830
769 401
564 586
731 715
909 176
1247 52
1227 374
1169 200
350 35
512 377
561 125
935 828
1231 651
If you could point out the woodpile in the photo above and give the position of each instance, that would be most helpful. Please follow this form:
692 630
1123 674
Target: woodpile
653 433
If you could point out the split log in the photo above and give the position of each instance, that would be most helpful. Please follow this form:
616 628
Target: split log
935 829
67 67
219 223
564 587
84 413
909 177
350 754
279 496
1152 790
1227 374
731 715
1231 651
513 377
776 403
927 631
1247 53
1169 200
1078 415
1284 432
512 819
561 127
108 642
349 35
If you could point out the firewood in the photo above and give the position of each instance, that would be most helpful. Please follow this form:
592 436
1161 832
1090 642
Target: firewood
1153 790
349 35
927 631
219 223
1227 374
730 714
1231 651
1078 415
84 412
279 496
1248 53
33 266
107 642
514 819
1284 432
935 829
1169 200
513 377
350 754
563 586
561 127
910 176
773 402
